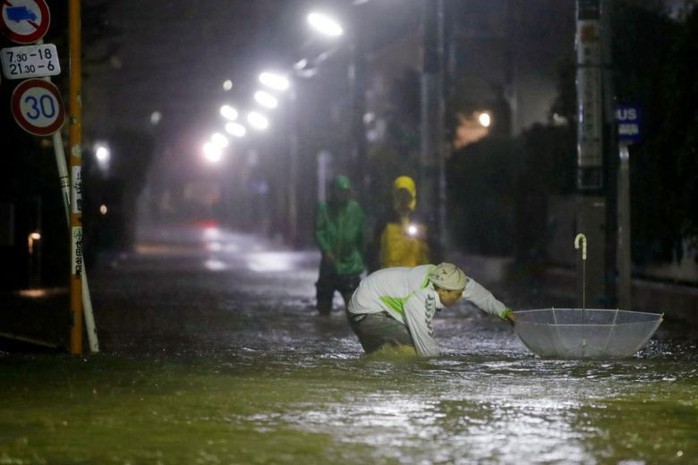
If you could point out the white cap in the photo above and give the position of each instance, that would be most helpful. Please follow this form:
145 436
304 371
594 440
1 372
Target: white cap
448 276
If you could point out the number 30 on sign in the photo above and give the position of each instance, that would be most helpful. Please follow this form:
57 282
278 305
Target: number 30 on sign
37 107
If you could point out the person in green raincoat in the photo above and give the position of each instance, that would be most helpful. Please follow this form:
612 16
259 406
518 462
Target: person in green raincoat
339 234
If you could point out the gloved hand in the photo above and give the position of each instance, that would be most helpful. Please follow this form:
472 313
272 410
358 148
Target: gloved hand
509 315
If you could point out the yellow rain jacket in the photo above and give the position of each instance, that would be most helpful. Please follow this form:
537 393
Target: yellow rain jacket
402 241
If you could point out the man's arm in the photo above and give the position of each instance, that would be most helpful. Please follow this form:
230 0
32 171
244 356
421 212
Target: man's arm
484 299
321 238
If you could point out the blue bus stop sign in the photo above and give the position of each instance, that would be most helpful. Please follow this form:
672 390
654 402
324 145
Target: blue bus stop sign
628 118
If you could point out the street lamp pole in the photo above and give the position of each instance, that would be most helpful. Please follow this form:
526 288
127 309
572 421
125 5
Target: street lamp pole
293 171
357 82
280 82
433 154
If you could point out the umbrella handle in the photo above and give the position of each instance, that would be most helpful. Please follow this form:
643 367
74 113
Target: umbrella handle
583 239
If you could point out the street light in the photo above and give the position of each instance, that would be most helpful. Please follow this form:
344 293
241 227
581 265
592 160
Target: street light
212 152
235 129
329 26
274 81
219 140
229 112
257 120
324 24
266 99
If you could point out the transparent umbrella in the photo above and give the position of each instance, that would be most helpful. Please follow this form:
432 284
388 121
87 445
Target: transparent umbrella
581 333
574 333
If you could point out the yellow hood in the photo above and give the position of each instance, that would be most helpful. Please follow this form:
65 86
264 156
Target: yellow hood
406 182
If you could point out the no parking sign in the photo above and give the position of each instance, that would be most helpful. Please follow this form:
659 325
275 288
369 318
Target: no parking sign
24 21
37 107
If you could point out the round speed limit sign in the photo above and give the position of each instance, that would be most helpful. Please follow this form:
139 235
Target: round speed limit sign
37 107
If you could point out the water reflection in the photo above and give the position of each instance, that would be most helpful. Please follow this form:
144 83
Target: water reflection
215 364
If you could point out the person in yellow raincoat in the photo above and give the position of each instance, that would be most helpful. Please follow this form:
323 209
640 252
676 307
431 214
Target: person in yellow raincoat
402 238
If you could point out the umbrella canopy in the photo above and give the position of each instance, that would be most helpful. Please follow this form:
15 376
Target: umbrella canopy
574 333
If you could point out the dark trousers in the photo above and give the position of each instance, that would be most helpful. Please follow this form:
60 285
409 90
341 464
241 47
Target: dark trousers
376 330
330 281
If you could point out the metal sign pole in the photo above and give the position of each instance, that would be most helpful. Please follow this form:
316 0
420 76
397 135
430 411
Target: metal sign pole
65 189
624 258
75 142
41 60
64 178
629 119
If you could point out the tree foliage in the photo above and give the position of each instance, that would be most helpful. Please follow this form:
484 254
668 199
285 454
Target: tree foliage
482 190
656 67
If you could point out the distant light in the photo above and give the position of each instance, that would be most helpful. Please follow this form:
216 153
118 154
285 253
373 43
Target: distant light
304 68
559 120
266 99
211 232
412 230
155 117
227 84
274 81
103 209
215 265
257 120
212 152
235 129
229 112
33 237
301 64
265 262
219 140
484 119
102 154
325 24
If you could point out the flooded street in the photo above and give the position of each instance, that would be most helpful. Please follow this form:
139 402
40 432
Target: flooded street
212 353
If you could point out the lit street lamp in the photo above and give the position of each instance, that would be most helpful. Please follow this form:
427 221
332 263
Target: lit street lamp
257 120
324 24
330 27
212 152
235 129
229 112
274 81
266 99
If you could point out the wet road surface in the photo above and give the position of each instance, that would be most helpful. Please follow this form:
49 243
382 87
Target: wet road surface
212 352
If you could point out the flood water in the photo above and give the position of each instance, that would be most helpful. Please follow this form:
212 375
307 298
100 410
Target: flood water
213 354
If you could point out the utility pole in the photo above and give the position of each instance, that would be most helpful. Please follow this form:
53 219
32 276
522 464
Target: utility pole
357 80
591 213
432 172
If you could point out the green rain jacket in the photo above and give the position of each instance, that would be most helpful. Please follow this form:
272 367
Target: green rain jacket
340 231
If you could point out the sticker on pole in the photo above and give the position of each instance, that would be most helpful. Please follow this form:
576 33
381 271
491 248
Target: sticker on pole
37 107
24 21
